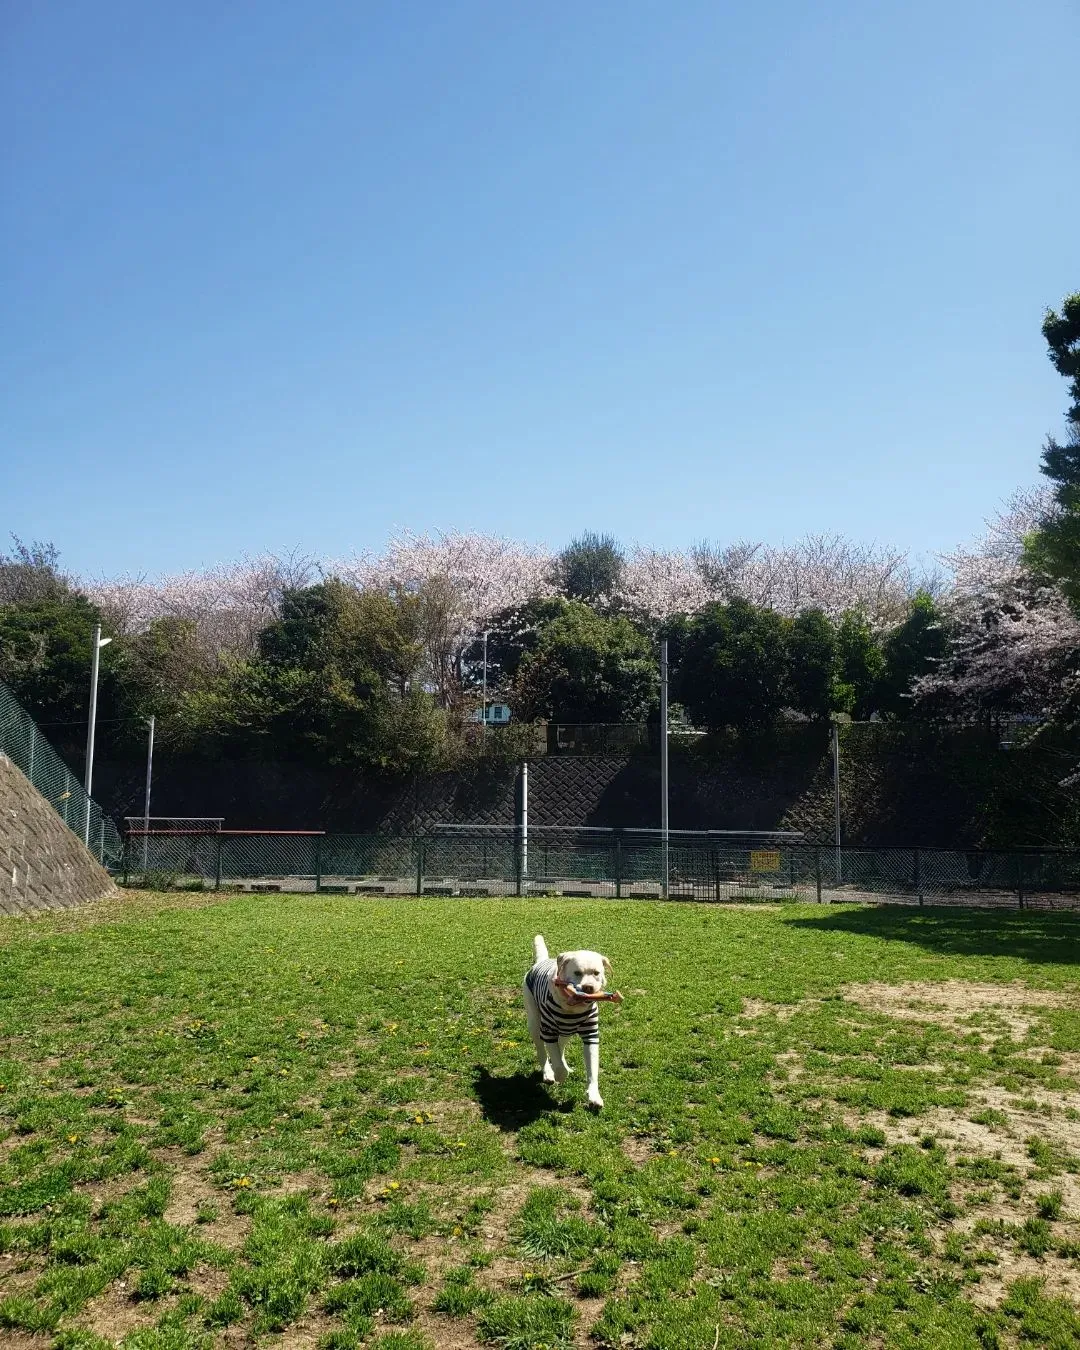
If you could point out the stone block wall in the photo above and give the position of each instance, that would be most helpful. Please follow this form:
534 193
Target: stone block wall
43 865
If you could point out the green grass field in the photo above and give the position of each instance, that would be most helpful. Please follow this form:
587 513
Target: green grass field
314 1121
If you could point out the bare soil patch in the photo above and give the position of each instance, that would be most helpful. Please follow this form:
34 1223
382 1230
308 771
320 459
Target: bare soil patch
957 1004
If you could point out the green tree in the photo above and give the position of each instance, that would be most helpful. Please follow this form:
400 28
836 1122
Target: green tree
45 655
812 665
1062 334
586 667
163 664
1054 549
733 664
590 568
512 635
913 649
335 678
860 665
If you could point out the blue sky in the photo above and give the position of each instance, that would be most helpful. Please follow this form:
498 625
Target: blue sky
282 275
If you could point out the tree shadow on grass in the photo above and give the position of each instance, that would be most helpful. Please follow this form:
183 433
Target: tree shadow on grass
1051 939
512 1101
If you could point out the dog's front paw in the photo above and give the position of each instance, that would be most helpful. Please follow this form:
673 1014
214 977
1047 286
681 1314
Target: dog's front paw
595 1100
549 1074
562 1072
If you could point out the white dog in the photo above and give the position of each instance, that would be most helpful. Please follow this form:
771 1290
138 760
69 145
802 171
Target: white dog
555 1014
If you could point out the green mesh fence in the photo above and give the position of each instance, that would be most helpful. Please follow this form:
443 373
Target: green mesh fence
597 863
28 750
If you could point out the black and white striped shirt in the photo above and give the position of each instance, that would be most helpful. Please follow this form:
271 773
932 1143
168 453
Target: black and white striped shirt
555 1021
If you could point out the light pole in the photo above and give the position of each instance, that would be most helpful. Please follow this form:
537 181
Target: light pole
664 832
483 710
836 799
99 642
146 799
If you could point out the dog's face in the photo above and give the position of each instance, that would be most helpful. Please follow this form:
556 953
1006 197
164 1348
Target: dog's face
588 970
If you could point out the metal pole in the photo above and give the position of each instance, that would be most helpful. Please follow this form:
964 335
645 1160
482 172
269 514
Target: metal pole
146 795
664 822
484 705
836 799
89 780
524 818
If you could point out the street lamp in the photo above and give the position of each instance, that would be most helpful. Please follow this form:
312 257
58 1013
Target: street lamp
483 710
146 798
99 642
665 852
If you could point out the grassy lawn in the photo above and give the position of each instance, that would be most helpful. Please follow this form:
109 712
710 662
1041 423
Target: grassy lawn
314 1121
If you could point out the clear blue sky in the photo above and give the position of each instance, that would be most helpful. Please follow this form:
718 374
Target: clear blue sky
277 274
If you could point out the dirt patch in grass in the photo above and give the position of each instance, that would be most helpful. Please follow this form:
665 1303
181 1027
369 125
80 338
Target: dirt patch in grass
1062 1279
638 1149
1033 1131
447 1333
783 1012
997 1122
115 1314
306 1333
956 1004
588 1313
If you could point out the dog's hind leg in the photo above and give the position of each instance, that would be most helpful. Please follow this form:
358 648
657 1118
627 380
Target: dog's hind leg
558 1058
532 1016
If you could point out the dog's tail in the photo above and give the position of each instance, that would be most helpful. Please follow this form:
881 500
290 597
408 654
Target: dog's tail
540 951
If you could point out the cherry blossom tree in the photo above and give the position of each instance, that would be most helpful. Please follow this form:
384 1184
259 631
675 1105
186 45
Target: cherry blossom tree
658 584
1015 640
822 571
228 604
460 582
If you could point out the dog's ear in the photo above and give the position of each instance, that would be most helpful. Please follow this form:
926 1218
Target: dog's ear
560 962
607 964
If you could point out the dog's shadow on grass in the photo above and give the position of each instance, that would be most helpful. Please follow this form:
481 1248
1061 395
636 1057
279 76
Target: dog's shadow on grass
514 1100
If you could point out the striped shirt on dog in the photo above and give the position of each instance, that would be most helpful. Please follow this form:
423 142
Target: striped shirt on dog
555 1020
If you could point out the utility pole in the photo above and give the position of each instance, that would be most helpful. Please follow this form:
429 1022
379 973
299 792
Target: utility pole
99 642
664 832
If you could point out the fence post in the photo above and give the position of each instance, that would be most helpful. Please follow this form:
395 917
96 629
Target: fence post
127 851
1020 879
217 861
817 870
918 876
318 863
618 864
714 859
518 870
419 866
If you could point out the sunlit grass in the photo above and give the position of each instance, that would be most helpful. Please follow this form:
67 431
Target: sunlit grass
258 1116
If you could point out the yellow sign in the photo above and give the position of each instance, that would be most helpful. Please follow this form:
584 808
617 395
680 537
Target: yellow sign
764 862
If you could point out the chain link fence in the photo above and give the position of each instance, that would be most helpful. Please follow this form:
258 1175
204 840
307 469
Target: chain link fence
620 864
22 742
